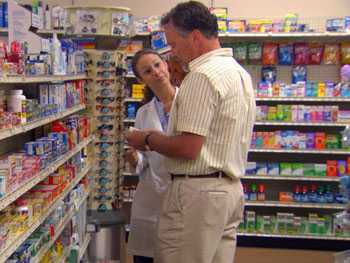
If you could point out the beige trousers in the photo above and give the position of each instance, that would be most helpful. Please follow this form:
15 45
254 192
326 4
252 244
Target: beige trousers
198 221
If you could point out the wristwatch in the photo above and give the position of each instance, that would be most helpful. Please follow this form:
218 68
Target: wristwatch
147 141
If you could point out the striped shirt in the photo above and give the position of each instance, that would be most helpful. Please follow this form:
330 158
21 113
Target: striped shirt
215 100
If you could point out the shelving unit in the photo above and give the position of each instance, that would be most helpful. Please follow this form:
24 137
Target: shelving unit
15 241
26 186
281 123
294 205
39 79
296 151
292 178
6 133
58 230
294 236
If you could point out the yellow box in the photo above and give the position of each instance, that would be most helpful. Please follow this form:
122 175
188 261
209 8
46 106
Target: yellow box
137 91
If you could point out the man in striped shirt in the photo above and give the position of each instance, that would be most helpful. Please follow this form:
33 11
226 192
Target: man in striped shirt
207 143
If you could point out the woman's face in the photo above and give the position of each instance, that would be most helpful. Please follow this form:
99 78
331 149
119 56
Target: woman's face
153 71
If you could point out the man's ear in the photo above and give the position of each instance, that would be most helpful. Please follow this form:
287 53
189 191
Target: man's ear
196 35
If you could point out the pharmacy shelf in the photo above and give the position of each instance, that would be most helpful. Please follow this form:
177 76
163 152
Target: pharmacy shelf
295 99
128 174
130 76
15 241
160 51
289 35
129 120
4 30
84 246
339 152
40 79
295 205
291 178
283 123
5 133
132 100
59 229
293 236
26 186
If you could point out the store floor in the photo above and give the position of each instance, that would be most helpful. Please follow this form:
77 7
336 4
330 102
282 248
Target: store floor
265 255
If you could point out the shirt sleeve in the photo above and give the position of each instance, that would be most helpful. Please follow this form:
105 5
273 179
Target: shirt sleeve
197 103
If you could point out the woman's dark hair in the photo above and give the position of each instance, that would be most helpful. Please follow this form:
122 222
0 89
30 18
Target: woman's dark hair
148 93
192 15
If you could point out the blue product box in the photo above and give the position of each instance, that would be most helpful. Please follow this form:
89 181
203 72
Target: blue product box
347 24
261 168
5 14
158 40
273 169
1 16
251 168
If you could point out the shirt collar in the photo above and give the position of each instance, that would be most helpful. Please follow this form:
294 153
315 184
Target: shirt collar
224 52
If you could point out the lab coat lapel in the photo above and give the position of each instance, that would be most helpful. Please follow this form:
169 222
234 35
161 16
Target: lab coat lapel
154 120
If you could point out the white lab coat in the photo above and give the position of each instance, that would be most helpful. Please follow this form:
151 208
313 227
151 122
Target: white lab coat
153 183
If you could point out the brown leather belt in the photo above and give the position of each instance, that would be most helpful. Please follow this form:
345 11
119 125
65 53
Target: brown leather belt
212 175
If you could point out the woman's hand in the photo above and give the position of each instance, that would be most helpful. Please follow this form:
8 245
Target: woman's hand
131 157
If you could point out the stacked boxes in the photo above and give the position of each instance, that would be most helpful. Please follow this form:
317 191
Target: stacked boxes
104 98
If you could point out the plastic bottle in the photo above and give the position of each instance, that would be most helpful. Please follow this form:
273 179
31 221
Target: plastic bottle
329 196
245 190
304 195
320 195
41 14
47 20
261 193
14 100
253 195
297 194
313 194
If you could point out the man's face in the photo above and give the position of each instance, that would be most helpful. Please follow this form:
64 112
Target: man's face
181 47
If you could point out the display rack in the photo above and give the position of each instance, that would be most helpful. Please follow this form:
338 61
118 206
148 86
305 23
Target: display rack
26 186
40 79
292 178
58 230
15 241
294 236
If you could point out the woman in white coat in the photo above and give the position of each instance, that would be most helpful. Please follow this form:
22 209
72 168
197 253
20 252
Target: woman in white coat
152 70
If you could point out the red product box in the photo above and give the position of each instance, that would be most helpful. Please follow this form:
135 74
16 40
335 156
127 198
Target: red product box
320 140
332 168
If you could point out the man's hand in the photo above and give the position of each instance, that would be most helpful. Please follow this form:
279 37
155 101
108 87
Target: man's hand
136 138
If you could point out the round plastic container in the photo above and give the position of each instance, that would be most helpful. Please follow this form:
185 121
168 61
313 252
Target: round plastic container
14 100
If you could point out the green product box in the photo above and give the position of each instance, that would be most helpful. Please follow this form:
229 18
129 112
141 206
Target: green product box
267 224
297 224
309 169
250 217
287 113
321 225
333 141
281 223
290 224
329 221
259 224
303 226
320 169
280 113
242 227
285 169
297 169
313 224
